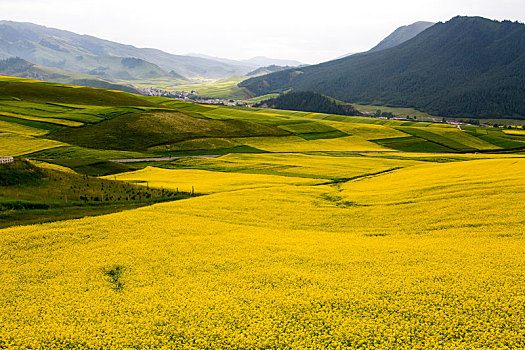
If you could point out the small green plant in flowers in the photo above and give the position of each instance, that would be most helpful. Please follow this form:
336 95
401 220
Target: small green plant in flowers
114 276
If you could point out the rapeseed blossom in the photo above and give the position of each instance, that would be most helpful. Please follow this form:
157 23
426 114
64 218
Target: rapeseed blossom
425 255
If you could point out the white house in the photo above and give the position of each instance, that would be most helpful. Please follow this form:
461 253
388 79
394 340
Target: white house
5 160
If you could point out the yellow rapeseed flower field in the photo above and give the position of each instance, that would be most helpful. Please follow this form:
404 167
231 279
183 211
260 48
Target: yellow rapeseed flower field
297 144
299 165
14 128
425 255
367 131
57 121
51 166
204 181
16 144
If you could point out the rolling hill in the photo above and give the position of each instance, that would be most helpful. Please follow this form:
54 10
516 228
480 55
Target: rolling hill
266 70
269 229
90 55
29 91
17 67
320 235
468 66
54 121
308 101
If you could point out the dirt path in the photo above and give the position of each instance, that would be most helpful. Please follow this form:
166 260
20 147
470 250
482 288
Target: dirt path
161 159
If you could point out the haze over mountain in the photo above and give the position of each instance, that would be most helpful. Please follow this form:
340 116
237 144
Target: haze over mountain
263 61
399 36
90 55
254 62
346 55
223 60
18 67
468 66
267 70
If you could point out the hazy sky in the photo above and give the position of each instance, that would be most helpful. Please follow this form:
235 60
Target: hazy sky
308 31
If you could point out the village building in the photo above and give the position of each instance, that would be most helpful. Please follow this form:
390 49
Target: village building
6 160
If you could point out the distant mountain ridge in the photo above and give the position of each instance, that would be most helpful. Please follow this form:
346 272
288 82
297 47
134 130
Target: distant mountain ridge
401 34
90 55
18 67
262 61
255 62
223 60
266 70
397 37
468 66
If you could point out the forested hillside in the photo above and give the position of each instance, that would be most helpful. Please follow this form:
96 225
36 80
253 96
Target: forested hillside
308 101
468 66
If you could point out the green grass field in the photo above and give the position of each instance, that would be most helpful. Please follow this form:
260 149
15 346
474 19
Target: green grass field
404 112
99 124
223 89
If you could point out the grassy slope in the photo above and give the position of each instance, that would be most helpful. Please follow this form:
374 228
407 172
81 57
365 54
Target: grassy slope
103 124
405 112
30 194
138 132
49 92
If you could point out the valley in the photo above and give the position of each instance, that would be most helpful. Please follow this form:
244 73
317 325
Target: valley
289 214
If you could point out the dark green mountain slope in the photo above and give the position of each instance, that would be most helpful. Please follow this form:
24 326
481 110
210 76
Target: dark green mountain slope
468 66
90 55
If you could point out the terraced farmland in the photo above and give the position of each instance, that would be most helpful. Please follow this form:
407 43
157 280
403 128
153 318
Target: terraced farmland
94 119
